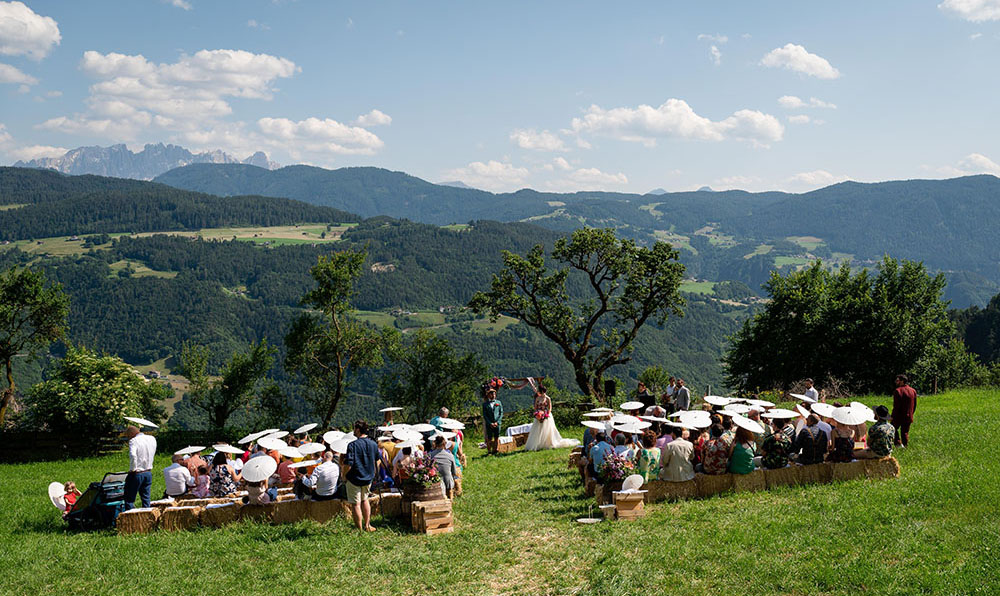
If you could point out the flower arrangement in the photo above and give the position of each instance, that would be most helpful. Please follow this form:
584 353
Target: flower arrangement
616 467
422 471
541 415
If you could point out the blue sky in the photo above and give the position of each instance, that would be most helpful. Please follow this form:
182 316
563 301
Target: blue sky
553 96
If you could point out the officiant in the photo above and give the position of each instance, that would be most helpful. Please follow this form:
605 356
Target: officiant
492 420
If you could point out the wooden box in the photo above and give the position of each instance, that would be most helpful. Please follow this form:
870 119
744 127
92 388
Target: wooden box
629 505
138 521
180 518
432 517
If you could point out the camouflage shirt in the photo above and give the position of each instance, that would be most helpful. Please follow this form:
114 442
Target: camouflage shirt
880 438
776 448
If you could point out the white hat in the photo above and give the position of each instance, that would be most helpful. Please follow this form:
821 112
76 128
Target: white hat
272 444
718 400
849 415
751 425
228 449
824 410
424 427
631 405
804 398
391 409
593 425
310 448
190 450
304 464
258 469
332 436
141 421
305 428
779 413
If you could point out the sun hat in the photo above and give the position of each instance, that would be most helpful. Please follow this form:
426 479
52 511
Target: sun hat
258 469
305 428
882 412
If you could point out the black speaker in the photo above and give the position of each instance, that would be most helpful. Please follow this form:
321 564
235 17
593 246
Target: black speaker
609 388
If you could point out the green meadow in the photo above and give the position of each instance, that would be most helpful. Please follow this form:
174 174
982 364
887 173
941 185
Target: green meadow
932 531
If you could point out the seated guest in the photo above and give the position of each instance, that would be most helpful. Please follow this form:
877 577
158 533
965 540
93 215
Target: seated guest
699 446
403 457
744 450
648 460
222 478
655 411
622 446
436 421
843 443
302 487
286 475
598 452
675 460
717 450
201 483
785 427
444 461
70 495
644 395
176 478
811 443
324 478
193 463
259 494
759 438
665 436
880 437
776 448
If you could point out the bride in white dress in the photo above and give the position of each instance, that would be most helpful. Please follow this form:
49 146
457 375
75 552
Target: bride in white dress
544 434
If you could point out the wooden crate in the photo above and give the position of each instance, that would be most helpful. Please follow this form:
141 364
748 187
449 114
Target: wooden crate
629 505
432 517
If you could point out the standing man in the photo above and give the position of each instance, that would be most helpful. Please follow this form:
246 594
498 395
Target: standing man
644 395
359 469
682 396
141 449
492 420
811 391
904 404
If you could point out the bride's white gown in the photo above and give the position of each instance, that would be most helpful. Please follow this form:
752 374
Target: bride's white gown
545 435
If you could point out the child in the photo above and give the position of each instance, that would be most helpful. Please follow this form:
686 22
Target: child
259 494
201 486
71 495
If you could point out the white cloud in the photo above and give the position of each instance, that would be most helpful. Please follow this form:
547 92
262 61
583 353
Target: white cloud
594 179
562 164
350 23
977 11
31 152
374 118
529 138
815 179
715 55
792 102
975 36
53 94
492 175
977 163
675 119
254 24
180 4
738 182
314 135
10 74
799 119
717 38
24 33
795 57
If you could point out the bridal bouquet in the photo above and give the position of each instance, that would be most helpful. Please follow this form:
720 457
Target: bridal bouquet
616 467
541 415
422 471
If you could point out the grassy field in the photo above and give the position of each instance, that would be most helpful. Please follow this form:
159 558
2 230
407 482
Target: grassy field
140 270
706 288
932 531
436 320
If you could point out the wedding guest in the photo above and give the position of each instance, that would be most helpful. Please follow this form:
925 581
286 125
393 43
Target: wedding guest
176 478
699 447
904 404
811 443
744 450
302 487
843 444
644 395
139 481
682 396
70 495
359 470
776 448
259 494
717 450
648 460
201 488
324 479
622 446
759 437
193 463
881 437
675 460
436 421
444 461
222 477
665 436
403 457
598 452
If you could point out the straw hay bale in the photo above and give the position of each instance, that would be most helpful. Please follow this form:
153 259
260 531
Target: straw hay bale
138 521
392 504
815 473
289 512
261 513
886 467
285 497
787 476
520 439
285 490
752 482
324 511
163 503
180 518
218 515
677 491
848 470
713 484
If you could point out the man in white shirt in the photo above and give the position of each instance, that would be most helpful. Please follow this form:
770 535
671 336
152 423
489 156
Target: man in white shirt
811 391
324 478
177 478
141 450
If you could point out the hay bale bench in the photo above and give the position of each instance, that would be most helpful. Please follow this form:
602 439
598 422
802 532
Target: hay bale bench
707 485
138 521
506 445
391 504
221 514
180 518
432 517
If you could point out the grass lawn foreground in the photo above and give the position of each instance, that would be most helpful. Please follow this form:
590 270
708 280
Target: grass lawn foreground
933 531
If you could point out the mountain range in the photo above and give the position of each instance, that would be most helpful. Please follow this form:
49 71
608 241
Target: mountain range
121 162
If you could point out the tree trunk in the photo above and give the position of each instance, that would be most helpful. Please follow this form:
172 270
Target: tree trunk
8 393
583 382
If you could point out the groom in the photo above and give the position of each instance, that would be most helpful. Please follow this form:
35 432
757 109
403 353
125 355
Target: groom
492 420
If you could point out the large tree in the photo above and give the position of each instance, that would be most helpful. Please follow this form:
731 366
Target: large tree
618 287
327 345
858 328
32 316
426 374
240 383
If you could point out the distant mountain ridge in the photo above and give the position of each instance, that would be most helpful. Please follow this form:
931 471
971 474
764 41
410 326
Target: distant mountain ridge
119 161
